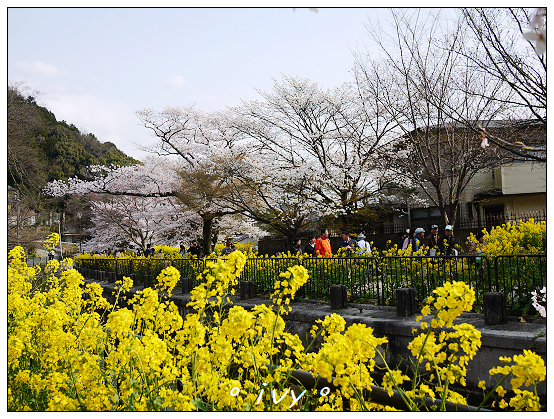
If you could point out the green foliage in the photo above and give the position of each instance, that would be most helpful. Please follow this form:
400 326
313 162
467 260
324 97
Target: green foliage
42 149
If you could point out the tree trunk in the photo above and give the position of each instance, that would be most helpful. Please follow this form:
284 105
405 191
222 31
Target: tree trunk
454 212
444 213
207 224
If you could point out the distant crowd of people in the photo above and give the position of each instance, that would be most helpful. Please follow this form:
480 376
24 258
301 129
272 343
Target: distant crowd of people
322 245
428 245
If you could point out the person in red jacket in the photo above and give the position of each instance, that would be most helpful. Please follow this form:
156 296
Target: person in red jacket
323 244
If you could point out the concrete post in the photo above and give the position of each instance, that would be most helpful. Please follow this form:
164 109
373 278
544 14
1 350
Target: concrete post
148 282
111 277
246 290
405 302
338 296
494 307
187 284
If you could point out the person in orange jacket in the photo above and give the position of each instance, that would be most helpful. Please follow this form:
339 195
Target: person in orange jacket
323 244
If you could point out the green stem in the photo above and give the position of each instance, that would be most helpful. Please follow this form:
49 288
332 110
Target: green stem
492 391
401 392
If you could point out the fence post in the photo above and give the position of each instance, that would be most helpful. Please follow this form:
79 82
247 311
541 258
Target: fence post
187 285
111 277
405 302
246 290
494 306
338 296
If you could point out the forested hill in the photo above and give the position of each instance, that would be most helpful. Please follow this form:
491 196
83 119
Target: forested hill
41 149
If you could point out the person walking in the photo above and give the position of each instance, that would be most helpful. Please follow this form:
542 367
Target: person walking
409 238
401 238
323 244
363 246
309 249
348 244
432 242
417 242
149 250
196 250
297 247
227 249
476 249
447 242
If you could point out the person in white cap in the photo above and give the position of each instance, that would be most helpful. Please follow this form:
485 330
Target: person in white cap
417 242
363 246
447 242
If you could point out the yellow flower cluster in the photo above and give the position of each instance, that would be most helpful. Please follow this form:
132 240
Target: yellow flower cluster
348 355
453 298
528 369
291 281
520 238
443 353
217 281
70 349
51 241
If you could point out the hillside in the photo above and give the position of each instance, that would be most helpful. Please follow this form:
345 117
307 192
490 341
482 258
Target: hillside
42 149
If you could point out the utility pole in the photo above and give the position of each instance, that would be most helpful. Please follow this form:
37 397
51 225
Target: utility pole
79 216
60 234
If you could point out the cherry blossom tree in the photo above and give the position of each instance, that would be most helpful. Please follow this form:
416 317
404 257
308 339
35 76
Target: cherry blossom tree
192 140
326 139
137 221
144 204
131 204
275 195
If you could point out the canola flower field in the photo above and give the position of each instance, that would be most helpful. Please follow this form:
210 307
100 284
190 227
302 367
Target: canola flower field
70 349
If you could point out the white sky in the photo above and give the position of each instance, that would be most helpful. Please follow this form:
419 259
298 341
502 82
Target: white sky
95 67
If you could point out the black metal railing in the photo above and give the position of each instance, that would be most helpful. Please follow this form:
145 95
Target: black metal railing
517 276
425 273
368 279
